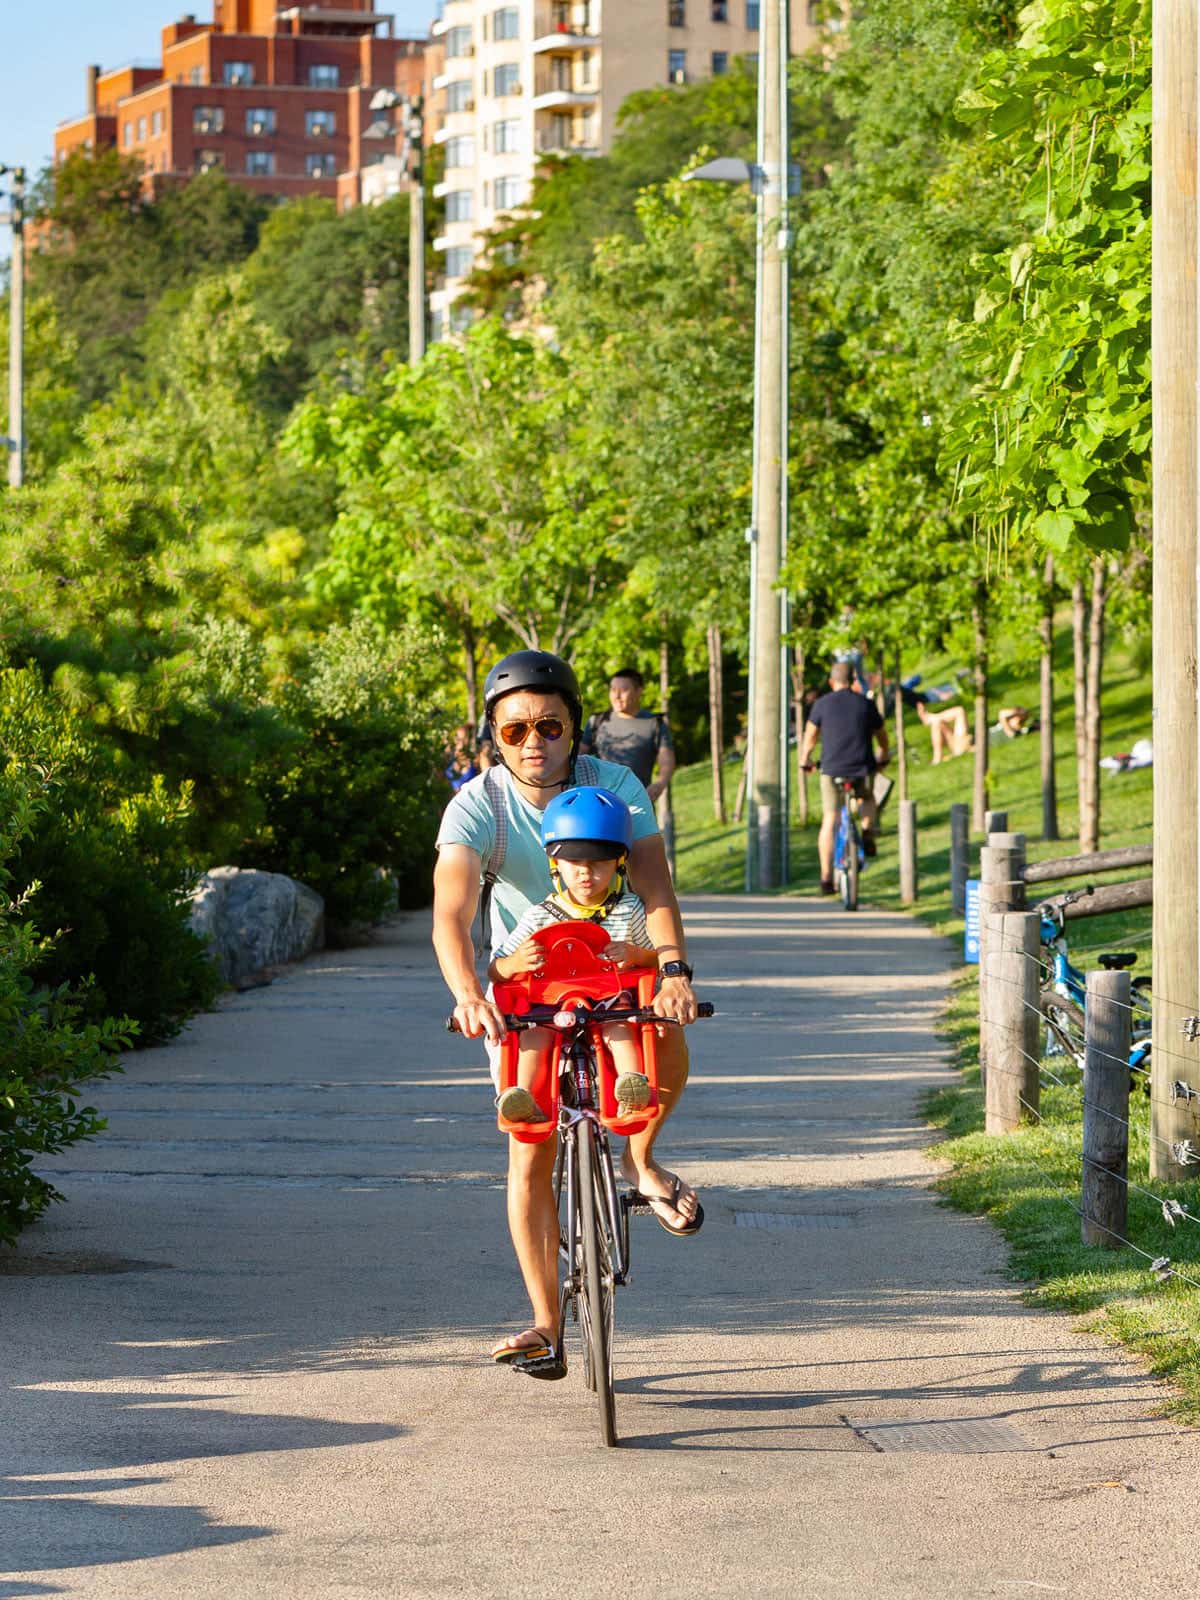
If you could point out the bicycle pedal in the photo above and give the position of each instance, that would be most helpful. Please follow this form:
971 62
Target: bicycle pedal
637 1205
547 1367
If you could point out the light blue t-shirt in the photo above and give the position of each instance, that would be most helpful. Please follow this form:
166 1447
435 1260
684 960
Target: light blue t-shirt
525 876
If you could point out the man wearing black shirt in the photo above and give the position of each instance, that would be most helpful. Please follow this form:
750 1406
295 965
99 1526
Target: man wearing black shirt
848 725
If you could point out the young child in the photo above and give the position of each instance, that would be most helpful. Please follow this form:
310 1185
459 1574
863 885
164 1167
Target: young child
587 833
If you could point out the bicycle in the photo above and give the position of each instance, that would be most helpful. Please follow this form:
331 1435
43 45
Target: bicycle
594 1243
849 857
1062 995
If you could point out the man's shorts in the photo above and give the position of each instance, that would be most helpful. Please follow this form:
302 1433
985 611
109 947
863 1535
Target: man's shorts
831 795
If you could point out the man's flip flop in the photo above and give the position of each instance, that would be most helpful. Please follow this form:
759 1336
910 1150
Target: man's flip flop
504 1354
671 1201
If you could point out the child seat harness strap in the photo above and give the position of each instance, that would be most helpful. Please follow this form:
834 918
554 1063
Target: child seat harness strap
493 787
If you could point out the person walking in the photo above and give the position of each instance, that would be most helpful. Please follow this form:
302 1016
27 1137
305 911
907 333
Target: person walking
629 736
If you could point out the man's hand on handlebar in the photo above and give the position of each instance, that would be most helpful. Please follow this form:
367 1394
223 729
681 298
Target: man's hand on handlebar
474 1017
675 1001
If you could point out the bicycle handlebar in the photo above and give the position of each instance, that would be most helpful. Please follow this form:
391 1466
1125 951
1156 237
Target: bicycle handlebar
541 1016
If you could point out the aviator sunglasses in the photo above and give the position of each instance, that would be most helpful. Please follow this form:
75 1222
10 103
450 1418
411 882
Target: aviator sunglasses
516 733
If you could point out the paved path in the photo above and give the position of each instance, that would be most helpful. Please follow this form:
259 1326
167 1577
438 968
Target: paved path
284 1396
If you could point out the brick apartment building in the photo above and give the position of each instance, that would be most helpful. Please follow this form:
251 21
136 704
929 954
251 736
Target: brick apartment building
277 95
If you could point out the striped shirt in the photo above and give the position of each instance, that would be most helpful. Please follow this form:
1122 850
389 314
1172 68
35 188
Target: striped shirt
626 921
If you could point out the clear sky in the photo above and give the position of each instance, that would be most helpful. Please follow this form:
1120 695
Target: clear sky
47 48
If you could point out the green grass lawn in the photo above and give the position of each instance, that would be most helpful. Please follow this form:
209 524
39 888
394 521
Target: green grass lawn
1028 1182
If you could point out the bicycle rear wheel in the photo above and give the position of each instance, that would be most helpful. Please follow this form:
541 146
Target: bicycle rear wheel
596 1280
1065 1029
850 869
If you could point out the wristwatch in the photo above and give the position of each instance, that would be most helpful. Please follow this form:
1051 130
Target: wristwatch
676 969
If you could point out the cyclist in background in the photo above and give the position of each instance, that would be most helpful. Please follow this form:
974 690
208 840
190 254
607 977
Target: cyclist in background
848 726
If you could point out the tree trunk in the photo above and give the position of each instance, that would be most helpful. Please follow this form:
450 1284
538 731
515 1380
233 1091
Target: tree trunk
979 620
1079 619
798 717
716 741
901 744
880 682
471 673
1046 631
1089 814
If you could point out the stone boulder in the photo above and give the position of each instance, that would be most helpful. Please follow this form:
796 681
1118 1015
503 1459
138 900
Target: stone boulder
254 920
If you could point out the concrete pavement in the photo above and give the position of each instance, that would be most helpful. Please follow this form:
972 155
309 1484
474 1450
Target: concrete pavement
247 1359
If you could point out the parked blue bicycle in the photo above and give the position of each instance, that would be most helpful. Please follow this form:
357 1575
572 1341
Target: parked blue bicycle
1063 996
849 857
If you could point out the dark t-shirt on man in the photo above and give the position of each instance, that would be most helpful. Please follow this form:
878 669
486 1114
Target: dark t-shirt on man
847 722
632 742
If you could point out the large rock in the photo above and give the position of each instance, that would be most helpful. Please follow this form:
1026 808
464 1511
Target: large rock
256 920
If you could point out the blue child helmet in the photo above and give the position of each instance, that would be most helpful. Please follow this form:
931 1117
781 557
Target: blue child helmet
587 824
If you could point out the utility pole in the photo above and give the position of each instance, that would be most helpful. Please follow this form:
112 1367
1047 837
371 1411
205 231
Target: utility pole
767 733
414 146
1174 640
16 332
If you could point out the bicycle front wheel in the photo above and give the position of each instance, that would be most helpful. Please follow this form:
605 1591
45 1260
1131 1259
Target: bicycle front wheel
596 1280
1065 1028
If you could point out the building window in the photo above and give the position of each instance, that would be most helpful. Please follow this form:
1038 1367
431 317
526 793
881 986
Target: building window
460 152
676 66
196 75
506 24
720 10
321 164
323 76
506 80
127 134
752 15
207 160
458 43
676 14
459 260
260 121
460 205
586 60
156 123
461 318
458 95
506 138
238 73
320 124
260 163
141 130
208 119
508 193
720 63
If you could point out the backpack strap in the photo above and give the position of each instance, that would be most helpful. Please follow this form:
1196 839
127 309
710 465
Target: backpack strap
587 772
493 788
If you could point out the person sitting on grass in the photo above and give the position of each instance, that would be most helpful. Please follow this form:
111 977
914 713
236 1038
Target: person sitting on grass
587 834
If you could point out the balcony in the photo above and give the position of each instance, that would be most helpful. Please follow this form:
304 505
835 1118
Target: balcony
564 41
551 143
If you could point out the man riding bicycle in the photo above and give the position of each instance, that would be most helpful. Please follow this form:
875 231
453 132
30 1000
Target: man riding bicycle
534 710
848 725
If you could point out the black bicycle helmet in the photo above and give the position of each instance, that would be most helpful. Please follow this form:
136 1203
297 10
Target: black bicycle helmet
537 670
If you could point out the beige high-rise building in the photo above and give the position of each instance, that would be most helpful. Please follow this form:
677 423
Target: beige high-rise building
525 78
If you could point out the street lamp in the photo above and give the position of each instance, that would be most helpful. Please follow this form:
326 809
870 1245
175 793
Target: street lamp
413 154
768 695
15 441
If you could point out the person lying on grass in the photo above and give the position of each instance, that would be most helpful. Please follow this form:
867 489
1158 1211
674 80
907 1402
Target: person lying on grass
587 834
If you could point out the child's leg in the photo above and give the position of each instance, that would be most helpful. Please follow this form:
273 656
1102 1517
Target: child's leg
518 1103
633 1087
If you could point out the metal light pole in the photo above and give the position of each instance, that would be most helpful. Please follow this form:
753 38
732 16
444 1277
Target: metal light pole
768 685
16 332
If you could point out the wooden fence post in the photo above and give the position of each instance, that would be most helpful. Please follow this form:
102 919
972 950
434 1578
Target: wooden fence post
995 822
1013 1085
960 866
1106 1110
908 852
1001 888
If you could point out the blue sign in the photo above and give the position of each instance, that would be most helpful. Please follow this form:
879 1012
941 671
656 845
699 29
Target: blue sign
971 932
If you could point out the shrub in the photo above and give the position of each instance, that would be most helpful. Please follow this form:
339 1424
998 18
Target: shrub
358 791
47 1049
112 866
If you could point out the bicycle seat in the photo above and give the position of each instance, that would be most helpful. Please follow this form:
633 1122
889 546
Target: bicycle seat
1114 961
